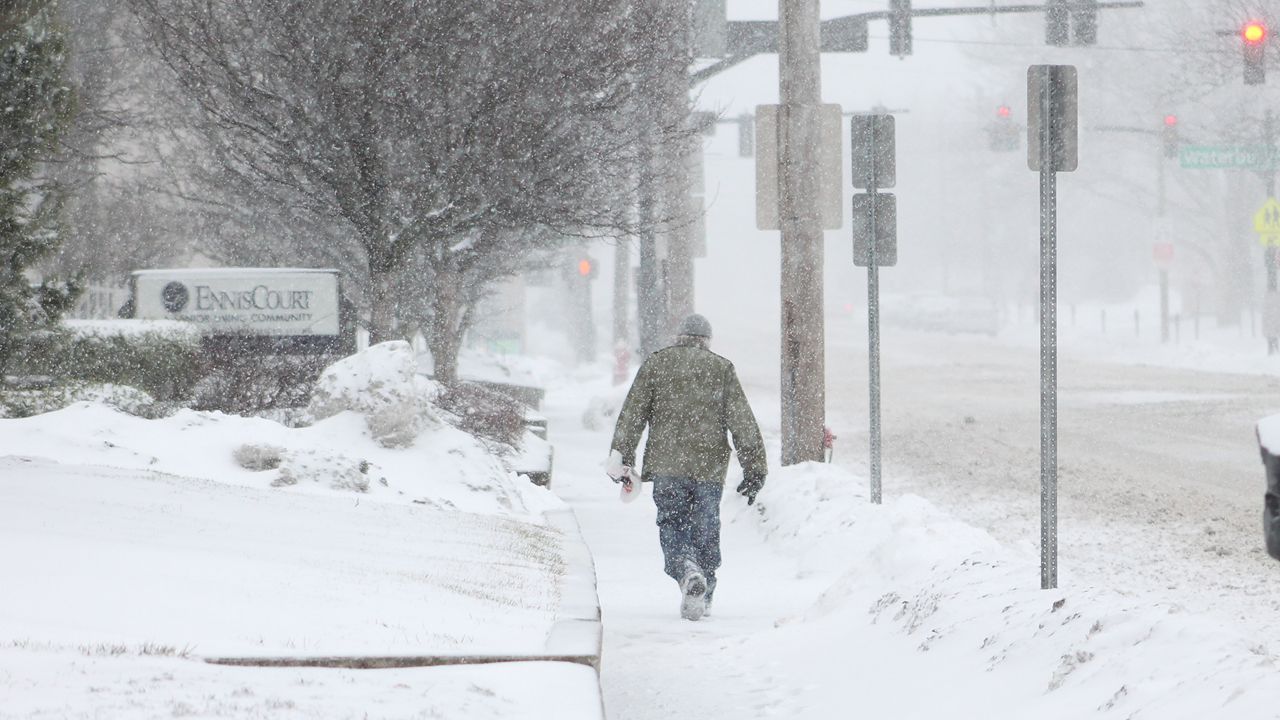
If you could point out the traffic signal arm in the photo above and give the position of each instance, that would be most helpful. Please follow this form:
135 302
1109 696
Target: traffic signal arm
746 39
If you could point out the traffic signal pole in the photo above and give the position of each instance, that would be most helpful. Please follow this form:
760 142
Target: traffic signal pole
803 327
1161 210
1269 138
1048 353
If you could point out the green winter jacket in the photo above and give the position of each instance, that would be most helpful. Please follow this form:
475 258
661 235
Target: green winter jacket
689 397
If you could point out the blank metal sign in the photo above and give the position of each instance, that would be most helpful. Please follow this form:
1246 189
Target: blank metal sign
886 230
873 141
1053 88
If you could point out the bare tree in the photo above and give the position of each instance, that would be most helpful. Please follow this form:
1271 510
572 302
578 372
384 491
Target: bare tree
459 134
107 160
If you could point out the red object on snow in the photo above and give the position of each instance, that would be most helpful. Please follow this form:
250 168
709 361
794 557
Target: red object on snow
621 363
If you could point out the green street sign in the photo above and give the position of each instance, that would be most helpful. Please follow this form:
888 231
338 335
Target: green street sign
1237 157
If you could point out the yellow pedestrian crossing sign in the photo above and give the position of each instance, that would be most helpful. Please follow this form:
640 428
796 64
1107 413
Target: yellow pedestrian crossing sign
1267 223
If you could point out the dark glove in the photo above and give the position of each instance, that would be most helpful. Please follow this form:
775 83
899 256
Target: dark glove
749 487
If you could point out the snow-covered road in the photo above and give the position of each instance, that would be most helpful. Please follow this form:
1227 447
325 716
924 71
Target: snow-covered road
1160 481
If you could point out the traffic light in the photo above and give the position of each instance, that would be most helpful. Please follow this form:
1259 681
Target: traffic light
900 27
586 268
1071 22
1057 23
1254 34
1003 134
710 29
1169 136
1084 22
845 34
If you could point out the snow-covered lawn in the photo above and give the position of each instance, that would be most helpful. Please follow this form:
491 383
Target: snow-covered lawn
60 684
97 556
133 550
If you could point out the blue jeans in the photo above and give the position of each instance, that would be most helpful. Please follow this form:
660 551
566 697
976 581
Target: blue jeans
689 525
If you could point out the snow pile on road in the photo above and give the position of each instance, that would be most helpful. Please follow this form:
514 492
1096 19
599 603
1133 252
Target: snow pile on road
914 577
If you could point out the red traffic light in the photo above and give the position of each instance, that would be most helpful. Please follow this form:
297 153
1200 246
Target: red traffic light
584 267
1170 120
1254 33
1003 111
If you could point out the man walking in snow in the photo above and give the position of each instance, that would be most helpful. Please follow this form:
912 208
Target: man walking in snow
691 401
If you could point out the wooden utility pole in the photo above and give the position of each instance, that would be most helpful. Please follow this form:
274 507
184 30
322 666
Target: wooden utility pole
621 291
676 114
803 329
651 308
681 211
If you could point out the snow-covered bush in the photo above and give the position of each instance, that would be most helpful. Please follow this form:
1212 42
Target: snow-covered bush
250 383
25 402
259 457
161 358
382 384
332 470
484 413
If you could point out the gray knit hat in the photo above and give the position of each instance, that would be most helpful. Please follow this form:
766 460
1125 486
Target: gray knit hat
697 326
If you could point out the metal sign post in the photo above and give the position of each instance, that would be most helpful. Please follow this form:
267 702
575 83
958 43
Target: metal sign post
874 244
1051 148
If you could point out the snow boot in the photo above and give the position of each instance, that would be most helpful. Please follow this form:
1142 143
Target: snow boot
693 588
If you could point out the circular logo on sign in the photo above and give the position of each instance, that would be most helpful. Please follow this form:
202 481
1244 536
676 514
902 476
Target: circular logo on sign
175 297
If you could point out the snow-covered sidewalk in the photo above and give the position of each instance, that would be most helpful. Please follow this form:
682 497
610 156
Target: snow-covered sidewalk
831 607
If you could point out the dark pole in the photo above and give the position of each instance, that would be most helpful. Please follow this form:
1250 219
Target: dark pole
873 318
1269 132
1161 204
1048 338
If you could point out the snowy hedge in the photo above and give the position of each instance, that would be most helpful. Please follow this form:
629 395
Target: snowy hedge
160 358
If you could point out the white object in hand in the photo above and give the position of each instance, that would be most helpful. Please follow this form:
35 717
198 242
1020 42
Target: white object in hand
631 487
614 468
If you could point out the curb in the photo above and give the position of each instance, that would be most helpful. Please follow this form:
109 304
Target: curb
577 637
581 632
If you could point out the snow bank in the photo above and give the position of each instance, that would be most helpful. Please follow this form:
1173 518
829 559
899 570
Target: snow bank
382 383
136 541
478 364
444 468
914 577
